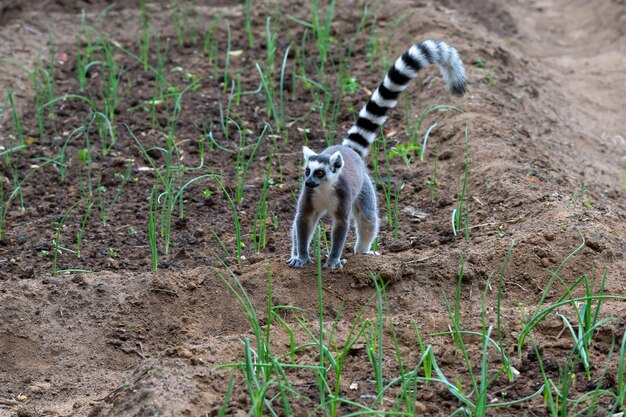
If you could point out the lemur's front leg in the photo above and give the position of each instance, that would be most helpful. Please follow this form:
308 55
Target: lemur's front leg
301 235
339 233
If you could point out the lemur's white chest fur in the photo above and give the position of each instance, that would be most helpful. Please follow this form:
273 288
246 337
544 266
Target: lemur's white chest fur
325 200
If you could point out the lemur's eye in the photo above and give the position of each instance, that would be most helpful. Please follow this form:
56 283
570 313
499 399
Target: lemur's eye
319 173
307 172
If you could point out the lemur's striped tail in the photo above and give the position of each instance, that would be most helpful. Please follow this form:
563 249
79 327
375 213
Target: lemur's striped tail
374 114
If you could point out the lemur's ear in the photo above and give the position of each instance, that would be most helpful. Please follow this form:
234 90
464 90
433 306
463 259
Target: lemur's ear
307 152
336 161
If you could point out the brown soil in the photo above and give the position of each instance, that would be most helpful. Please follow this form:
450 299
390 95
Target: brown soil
545 116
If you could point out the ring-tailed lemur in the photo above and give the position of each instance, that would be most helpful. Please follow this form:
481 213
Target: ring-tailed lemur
337 182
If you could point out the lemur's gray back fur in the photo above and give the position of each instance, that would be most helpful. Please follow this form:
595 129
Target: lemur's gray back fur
374 114
337 182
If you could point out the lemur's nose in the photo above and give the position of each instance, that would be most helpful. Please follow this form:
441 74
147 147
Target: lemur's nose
310 184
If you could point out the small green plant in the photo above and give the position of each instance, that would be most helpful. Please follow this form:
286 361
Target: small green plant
152 228
106 126
210 44
225 119
260 368
349 84
461 212
17 123
14 148
490 76
249 23
499 325
227 78
414 128
587 322
58 228
281 88
581 196
39 99
84 51
567 298
322 30
270 40
106 210
621 375
3 207
270 105
432 182
239 244
391 188
374 337
81 230
404 152
480 63
388 51
182 23
243 165
425 142
259 233
144 46
427 363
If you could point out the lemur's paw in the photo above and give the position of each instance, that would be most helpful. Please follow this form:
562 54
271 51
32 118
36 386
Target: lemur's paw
334 263
295 262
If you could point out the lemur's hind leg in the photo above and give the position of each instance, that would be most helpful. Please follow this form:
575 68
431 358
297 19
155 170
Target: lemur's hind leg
365 218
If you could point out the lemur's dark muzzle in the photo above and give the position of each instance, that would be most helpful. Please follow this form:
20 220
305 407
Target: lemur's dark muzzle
311 183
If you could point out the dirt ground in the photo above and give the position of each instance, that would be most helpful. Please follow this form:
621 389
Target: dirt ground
547 151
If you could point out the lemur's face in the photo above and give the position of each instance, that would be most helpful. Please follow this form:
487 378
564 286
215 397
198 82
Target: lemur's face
321 168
